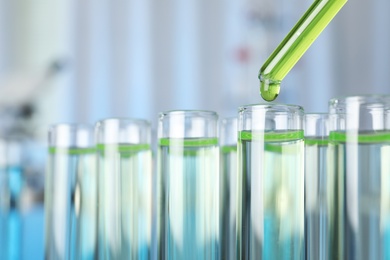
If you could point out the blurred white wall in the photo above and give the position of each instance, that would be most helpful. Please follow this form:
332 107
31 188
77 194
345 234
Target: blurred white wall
138 57
363 40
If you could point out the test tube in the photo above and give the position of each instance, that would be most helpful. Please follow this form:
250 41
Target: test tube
387 117
270 220
11 184
320 189
228 187
362 148
4 202
124 188
386 99
70 193
188 185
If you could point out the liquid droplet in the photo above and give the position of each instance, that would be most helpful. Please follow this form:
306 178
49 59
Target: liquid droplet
269 90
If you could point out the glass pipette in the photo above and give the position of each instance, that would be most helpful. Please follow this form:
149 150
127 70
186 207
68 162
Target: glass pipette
298 40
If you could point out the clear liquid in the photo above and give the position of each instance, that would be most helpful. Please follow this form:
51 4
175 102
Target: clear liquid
125 201
228 191
270 221
188 199
71 204
364 162
321 201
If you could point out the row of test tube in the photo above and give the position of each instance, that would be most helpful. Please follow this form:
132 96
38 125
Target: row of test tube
272 183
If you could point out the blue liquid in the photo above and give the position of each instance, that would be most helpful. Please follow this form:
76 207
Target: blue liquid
11 181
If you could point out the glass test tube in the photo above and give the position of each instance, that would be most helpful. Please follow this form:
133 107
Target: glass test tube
387 117
362 152
11 184
188 185
70 193
4 202
320 190
125 188
386 99
228 187
270 220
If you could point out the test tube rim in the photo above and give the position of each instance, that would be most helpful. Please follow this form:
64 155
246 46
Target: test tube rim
225 122
53 129
337 105
325 124
288 108
188 112
73 125
316 115
123 119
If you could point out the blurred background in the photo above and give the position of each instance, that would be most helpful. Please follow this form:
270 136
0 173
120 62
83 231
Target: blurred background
81 61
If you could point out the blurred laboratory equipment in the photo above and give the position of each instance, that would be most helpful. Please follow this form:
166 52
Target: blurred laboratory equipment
11 185
22 160
19 94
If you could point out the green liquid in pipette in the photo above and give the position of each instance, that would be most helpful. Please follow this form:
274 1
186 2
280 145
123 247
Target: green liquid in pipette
291 49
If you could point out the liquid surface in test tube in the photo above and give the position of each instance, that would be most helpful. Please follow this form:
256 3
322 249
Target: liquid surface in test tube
71 204
298 40
125 201
271 186
190 217
366 170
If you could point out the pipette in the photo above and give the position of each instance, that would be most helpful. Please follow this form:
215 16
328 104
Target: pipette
297 41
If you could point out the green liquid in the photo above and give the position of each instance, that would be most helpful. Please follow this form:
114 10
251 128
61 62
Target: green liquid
363 166
271 137
71 204
291 49
71 151
269 89
365 137
188 199
125 201
316 141
270 214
